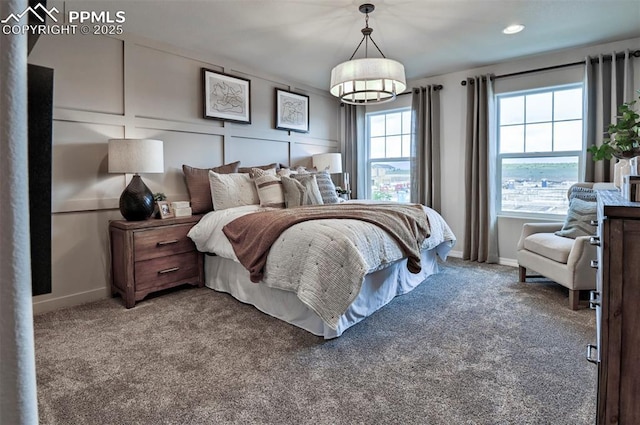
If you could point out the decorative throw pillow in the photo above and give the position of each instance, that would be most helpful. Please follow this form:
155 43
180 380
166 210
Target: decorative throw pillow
286 172
294 192
584 193
270 191
197 180
578 221
313 196
263 167
304 170
259 172
232 190
327 188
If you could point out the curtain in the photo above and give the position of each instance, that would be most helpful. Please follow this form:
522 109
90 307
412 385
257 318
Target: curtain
608 84
425 147
353 148
481 231
18 397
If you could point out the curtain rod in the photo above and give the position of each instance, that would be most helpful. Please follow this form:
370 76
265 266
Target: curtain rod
436 87
606 58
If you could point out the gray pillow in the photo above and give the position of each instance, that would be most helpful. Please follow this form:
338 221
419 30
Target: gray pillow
578 221
325 185
584 193
301 190
294 192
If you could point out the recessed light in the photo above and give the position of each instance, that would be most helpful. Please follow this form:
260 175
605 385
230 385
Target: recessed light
513 29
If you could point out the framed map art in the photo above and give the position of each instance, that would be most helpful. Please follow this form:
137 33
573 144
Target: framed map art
226 97
292 111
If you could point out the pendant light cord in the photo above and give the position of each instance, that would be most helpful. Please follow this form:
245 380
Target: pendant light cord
366 35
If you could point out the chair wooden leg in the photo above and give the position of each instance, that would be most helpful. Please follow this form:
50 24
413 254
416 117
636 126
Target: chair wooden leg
574 299
522 274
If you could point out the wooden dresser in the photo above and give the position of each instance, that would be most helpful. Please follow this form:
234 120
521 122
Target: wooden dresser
617 304
152 255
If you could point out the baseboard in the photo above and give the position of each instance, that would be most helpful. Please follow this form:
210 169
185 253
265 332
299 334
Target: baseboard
508 262
502 261
50 304
455 254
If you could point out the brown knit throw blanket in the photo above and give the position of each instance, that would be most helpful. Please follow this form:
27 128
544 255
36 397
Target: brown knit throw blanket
252 235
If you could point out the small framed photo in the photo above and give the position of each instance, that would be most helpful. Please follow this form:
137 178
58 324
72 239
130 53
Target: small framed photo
165 209
226 97
292 111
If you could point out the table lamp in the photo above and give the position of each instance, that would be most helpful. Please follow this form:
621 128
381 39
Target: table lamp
136 156
331 162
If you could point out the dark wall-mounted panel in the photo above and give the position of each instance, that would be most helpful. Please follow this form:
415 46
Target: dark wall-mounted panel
40 109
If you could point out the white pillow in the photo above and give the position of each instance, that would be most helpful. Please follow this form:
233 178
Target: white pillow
232 190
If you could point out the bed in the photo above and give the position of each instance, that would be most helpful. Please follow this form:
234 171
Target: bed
322 275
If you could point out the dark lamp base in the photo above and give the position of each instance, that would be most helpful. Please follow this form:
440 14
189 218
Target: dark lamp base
136 202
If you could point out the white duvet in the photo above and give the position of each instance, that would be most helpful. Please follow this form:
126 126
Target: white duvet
323 261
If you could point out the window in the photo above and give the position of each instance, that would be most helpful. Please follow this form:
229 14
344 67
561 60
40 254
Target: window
388 163
540 147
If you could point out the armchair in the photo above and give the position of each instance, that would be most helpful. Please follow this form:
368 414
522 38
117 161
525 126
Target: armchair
564 260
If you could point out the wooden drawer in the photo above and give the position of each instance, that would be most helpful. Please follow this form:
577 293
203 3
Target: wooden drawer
160 242
159 272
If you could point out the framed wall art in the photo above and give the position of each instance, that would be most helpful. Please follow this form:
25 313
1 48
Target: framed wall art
226 97
292 111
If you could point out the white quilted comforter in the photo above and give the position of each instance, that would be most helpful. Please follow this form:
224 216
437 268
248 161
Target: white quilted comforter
323 261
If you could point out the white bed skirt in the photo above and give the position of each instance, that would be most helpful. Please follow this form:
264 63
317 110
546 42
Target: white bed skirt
378 289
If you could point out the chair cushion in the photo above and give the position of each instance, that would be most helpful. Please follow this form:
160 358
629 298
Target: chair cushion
548 245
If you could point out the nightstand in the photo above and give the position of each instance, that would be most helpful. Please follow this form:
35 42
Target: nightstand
152 255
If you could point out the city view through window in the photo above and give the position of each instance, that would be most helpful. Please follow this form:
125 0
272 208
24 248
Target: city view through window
389 150
390 181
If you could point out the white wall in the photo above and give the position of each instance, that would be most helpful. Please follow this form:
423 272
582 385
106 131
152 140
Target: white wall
130 87
453 110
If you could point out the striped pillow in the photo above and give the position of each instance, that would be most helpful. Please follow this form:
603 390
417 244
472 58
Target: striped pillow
327 188
584 193
270 191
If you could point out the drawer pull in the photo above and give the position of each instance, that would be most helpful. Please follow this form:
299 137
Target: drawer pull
590 349
594 299
163 243
594 264
170 270
594 240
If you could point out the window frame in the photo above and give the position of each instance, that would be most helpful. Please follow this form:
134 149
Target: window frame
532 155
368 160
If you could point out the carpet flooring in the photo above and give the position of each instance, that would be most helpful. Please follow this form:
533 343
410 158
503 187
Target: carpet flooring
470 345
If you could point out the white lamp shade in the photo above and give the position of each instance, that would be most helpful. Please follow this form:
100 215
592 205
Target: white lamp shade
331 162
368 80
136 156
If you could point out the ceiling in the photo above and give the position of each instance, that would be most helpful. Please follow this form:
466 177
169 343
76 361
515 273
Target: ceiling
302 40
